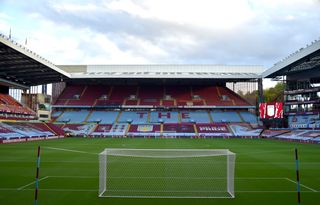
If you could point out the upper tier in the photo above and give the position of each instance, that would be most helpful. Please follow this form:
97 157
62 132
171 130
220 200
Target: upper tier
167 96
10 108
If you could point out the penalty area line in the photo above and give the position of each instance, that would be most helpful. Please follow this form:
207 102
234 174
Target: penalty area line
22 187
70 150
290 180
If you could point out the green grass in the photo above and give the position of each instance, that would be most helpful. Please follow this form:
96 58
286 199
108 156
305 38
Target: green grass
264 170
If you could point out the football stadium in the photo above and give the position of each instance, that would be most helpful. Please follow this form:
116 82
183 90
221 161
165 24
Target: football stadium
155 134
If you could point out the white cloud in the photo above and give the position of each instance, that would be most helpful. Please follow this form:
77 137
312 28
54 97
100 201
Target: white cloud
225 14
164 31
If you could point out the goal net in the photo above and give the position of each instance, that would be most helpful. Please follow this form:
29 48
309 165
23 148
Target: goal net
166 173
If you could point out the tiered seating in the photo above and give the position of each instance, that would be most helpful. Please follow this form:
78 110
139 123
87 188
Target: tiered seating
73 116
149 96
9 107
103 117
244 129
134 117
144 130
300 136
71 91
249 117
56 129
208 93
9 130
119 129
182 94
198 117
175 129
120 93
304 121
102 130
79 129
89 95
234 99
165 117
227 116
213 129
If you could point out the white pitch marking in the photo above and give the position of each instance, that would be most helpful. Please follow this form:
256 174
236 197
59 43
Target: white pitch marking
301 185
96 190
71 150
22 187
206 178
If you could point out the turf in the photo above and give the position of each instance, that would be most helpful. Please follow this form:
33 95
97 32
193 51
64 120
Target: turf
265 171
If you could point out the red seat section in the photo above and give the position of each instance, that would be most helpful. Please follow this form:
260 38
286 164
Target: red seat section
180 95
213 129
12 109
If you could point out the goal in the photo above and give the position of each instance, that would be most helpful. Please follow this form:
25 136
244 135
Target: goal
166 173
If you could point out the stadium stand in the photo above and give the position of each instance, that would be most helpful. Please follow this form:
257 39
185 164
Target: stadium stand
164 117
227 116
78 95
195 116
249 117
140 117
79 129
73 116
103 117
244 129
11 130
213 129
11 109
181 130
144 130
102 130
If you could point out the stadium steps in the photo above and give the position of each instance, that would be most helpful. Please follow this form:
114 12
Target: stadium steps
45 124
230 130
90 113
179 117
242 120
210 117
94 128
54 120
127 130
110 91
95 102
195 129
191 91
161 128
218 91
204 102
149 117
118 117
83 91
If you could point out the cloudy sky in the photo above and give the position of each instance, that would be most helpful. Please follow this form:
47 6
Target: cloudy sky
234 32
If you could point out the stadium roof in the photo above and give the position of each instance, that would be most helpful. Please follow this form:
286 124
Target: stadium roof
304 60
176 71
21 68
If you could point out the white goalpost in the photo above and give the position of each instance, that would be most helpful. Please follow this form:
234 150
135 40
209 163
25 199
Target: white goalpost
166 173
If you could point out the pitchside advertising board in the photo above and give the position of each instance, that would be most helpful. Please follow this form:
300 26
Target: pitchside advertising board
271 110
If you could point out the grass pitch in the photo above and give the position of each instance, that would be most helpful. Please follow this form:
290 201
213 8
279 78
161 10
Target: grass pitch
265 171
